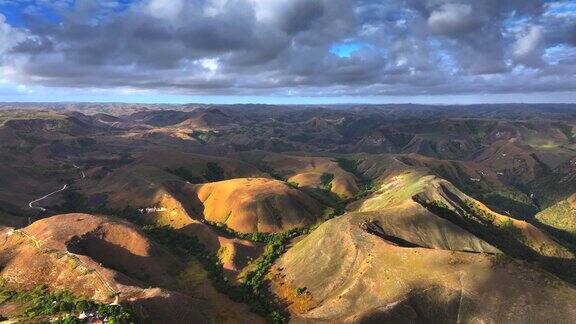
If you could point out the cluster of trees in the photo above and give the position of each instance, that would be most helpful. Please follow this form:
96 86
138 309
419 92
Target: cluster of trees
326 180
185 174
566 130
258 237
224 230
73 201
213 172
300 291
365 184
275 247
249 293
41 302
203 136
267 169
293 184
510 202
479 222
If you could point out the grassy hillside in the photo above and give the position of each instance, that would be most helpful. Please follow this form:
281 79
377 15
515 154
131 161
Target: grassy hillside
372 278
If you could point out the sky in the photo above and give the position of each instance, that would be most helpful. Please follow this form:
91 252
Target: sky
288 51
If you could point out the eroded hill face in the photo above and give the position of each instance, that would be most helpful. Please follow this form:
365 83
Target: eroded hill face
335 214
108 260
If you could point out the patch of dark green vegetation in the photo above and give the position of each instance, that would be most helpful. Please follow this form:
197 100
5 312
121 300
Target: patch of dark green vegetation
292 184
8 209
326 180
86 142
213 172
507 205
566 130
73 200
514 202
257 237
547 188
185 174
399 140
269 170
250 291
348 165
504 236
41 303
365 184
300 291
202 137
224 230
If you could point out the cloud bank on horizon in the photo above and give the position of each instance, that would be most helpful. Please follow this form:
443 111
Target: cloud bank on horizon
293 48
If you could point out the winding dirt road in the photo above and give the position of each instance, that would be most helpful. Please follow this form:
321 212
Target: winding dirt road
31 204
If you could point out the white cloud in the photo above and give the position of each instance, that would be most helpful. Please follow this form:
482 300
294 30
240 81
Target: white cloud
528 48
452 18
269 10
9 36
210 64
166 9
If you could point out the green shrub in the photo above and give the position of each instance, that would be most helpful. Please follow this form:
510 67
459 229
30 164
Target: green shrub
299 291
213 172
326 180
74 201
348 165
365 184
292 184
185 174
507 224
42 302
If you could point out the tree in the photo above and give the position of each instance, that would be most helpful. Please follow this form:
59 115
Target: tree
73 201
326 179
213 172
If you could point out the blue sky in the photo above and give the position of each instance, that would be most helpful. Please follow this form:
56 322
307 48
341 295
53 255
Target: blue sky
346 49
288 51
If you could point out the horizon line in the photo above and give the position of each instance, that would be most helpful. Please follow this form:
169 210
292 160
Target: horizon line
282 104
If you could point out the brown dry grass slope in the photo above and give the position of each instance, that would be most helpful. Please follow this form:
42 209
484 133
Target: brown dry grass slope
98 257
373 279
255 205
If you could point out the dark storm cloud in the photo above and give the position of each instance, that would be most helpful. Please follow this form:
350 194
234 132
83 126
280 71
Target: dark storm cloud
400 47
